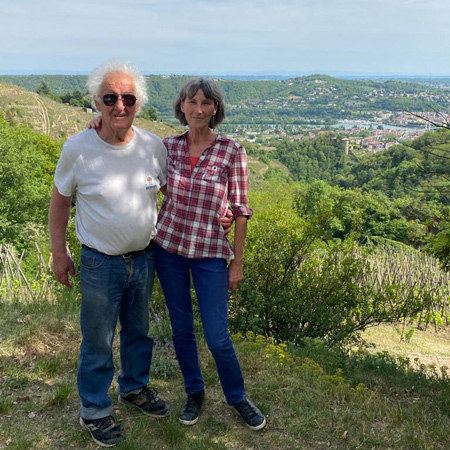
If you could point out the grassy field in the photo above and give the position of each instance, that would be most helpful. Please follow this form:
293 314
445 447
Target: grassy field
314 398
421 347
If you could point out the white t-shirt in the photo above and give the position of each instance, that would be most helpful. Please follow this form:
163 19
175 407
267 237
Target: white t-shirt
116 189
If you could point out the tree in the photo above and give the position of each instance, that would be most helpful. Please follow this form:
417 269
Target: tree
76 98
43 89
27 164
298 286
149 113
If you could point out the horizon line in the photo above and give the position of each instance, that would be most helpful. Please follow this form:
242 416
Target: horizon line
282 74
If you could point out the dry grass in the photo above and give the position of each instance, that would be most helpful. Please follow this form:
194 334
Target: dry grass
428 347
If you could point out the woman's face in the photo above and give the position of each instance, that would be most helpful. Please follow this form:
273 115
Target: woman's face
198 110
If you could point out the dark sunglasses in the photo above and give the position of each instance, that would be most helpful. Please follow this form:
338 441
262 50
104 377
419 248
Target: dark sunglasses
111 99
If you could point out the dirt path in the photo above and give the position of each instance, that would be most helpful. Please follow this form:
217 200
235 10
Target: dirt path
44 113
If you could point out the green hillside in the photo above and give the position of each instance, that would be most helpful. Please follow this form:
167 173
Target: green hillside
303 100
58 120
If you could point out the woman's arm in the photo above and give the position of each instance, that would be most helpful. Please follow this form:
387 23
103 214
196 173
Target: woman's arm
235 268
238 185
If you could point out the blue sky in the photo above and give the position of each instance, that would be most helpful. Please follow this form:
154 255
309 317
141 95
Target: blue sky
227 36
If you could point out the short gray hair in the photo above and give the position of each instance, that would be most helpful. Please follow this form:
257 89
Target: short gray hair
99 74
211 91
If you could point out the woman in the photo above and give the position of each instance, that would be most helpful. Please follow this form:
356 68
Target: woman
206 171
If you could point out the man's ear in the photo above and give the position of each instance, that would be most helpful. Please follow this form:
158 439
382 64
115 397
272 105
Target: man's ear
97 103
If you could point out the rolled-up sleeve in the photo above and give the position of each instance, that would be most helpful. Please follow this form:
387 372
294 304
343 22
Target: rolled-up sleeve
238 184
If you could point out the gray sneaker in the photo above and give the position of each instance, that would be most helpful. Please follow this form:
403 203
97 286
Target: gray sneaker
146 401
253 417
105 431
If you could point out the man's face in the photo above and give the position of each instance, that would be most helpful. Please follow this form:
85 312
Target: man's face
117 117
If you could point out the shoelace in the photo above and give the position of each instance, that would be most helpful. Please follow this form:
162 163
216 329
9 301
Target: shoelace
105 423
248 410
191 404
150 394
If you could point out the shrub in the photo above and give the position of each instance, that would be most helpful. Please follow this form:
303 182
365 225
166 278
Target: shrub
297 286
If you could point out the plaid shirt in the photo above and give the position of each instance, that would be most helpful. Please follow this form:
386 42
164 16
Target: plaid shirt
189 219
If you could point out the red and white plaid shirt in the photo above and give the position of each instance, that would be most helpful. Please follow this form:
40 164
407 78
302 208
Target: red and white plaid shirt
189 219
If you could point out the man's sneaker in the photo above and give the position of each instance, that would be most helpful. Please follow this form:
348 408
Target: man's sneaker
146 401
253 417
190 412
105 431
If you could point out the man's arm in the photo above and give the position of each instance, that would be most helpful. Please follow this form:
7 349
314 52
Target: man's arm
235 272
59 215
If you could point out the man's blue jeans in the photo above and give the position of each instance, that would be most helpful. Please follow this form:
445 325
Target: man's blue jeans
210 277
113 287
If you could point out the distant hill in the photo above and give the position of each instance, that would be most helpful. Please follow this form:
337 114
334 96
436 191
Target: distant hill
56 119
307 99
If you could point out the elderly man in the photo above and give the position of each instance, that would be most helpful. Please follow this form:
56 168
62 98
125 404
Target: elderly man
115 172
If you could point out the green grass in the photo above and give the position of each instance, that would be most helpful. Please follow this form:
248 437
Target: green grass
314 398
61 396
5 406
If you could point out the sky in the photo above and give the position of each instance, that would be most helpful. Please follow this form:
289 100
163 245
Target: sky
227 37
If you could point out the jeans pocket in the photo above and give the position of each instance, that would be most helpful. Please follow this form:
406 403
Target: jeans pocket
92 260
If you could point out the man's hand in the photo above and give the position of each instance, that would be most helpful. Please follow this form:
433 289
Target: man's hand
235 275
227 221
63 266
95 124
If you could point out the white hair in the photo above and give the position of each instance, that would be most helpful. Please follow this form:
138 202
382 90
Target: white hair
99 74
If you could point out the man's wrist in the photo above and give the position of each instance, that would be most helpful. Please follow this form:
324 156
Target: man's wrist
59 252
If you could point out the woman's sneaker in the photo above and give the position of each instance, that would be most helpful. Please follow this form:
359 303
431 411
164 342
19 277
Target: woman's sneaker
146 401
253 417
105 431
191 411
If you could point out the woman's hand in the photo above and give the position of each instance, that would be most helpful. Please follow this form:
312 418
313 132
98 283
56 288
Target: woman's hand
95 124
235 275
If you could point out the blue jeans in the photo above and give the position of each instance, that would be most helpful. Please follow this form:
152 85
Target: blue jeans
113 287
210 279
